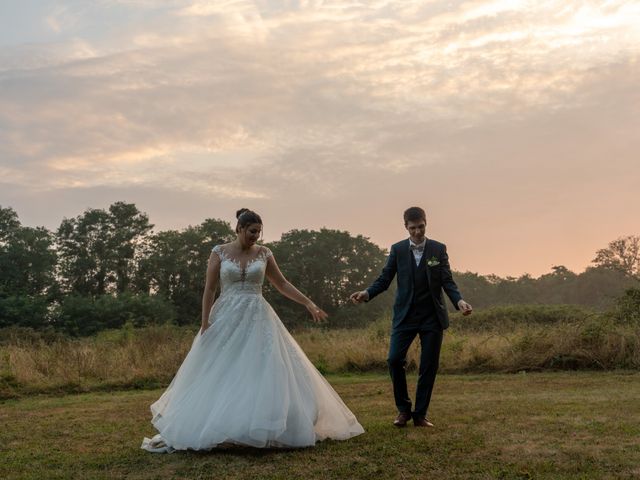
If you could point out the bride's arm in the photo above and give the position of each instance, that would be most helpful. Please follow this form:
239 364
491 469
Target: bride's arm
213 274
288 290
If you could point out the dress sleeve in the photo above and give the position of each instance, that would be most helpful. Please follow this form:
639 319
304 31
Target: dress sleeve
218 251
266 253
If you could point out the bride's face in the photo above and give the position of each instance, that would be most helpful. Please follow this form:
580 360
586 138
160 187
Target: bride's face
250 234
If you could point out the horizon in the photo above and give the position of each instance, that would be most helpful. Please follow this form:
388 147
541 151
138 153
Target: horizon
515 126
271 239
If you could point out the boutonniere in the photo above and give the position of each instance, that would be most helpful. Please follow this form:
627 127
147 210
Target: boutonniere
433 261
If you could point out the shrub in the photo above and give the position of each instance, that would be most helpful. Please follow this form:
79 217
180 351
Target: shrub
627 309
23 311
510 317
82 316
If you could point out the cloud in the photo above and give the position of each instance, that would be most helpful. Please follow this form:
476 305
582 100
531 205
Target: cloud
330 103
62 18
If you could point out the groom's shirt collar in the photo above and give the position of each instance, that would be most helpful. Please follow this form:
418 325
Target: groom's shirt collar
417 249
421 244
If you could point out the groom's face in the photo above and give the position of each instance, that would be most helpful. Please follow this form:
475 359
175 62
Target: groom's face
416 230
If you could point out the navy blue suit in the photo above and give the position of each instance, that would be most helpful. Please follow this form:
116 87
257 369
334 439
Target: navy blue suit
419 309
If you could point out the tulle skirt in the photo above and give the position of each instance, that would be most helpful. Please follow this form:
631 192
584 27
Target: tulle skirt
246 381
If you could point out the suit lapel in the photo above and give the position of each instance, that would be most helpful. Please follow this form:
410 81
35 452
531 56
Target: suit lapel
407 253
427 254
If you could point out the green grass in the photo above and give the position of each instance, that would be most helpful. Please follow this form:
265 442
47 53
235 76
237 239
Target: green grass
537 425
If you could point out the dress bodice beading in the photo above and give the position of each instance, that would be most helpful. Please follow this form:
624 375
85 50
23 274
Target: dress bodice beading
239 278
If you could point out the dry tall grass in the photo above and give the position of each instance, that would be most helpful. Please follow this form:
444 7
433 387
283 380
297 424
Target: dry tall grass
150 356
594 344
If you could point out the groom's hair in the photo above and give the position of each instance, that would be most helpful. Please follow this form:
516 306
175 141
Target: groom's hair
414 214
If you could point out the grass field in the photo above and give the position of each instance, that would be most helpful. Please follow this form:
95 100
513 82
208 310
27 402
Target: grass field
582 425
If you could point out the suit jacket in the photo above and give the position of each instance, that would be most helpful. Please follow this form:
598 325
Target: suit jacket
438 275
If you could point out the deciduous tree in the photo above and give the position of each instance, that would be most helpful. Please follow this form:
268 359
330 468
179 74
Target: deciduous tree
622 254
99 249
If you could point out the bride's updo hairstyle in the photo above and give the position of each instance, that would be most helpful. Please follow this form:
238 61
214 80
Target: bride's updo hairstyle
246 217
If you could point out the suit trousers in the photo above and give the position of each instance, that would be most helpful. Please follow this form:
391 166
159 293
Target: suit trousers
430 344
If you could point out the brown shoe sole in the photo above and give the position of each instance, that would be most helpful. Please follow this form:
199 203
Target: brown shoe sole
399 423
427 425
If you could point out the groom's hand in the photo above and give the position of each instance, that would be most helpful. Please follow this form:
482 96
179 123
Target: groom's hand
359 297
465 308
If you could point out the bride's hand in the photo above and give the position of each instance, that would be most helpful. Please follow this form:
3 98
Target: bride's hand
203 328
316 312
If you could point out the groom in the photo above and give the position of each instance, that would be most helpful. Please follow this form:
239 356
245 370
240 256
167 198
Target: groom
422 266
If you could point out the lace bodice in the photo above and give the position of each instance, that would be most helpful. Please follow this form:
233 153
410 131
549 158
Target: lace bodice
236 277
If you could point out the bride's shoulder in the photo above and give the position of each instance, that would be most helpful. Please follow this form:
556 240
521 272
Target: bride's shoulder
265 252
220 250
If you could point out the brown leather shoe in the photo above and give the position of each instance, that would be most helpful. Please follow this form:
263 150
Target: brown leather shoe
402 419
422 422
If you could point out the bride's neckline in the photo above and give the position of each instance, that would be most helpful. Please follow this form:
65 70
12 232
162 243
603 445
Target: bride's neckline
238 261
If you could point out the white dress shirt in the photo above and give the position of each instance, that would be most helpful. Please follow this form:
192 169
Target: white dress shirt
417 249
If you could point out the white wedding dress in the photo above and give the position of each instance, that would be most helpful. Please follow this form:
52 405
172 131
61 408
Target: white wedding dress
245 380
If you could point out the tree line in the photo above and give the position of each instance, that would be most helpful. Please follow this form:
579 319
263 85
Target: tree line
107 267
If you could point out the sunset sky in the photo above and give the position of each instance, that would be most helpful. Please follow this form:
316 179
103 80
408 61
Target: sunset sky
515 124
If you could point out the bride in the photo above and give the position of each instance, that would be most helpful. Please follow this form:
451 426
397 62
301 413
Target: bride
245 380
